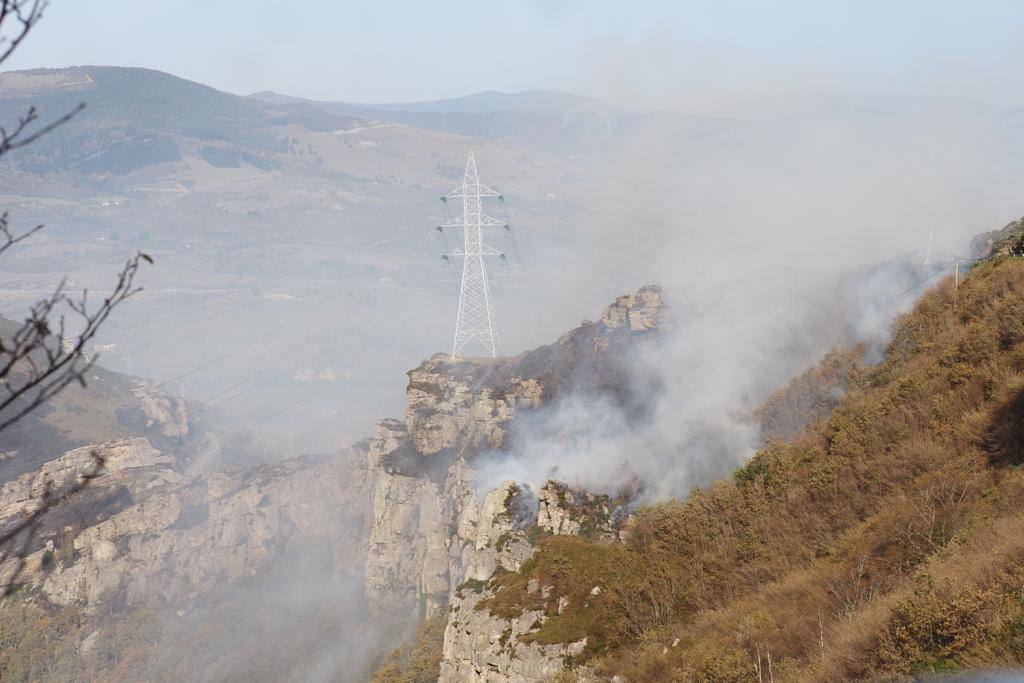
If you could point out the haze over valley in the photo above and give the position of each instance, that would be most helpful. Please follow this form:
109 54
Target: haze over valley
310 225
509 344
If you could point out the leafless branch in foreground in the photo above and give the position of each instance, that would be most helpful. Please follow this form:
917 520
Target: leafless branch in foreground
17 19
23 15
21 135
37 362
10 238
37 359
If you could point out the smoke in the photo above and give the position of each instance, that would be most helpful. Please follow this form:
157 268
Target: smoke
793 224
302 622
775 231
727 346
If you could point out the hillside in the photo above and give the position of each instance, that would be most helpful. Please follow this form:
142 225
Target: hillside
326 556
139 117
881 538
284 221
292 229
884 541
536 119
110 406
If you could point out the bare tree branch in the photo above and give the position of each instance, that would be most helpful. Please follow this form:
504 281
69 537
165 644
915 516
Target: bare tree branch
9 237
25 15
20 136
37 360
17 19
36 363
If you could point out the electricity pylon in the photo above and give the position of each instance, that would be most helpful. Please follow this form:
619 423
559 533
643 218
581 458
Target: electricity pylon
476 316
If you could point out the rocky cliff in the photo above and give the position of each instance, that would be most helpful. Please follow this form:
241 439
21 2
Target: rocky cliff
146 529
435 541
402 509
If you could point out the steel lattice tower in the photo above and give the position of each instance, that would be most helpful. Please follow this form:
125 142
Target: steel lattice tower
476 315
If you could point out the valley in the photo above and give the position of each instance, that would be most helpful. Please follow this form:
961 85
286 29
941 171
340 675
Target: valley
514 344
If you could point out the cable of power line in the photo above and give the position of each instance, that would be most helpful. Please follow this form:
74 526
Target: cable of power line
233 352
247 378
268 380
241 425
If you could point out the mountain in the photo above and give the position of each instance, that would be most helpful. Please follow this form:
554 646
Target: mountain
538 101
296 244
309 549
139 117
876 534
537 119
882 541
308 230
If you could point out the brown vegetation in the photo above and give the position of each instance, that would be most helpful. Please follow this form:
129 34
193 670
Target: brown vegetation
887 540
419 659
811 396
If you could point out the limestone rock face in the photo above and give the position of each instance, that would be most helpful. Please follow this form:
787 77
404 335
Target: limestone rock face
444 410
428 530
163 412
24 494
568 512
496 517
402 508
498 533
555 513
641 311
427 537
432 532
481 648
163 535
397 550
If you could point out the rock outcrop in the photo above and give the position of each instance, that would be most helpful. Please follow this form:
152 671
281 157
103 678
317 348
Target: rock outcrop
143 529
427 522
641 311
481 648
431 533
402 508
163 412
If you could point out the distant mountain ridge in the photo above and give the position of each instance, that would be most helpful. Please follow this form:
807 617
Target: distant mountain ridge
539 119
541 101
269 194
135 116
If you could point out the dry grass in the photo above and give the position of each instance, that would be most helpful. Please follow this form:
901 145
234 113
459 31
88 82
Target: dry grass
418 660
884 541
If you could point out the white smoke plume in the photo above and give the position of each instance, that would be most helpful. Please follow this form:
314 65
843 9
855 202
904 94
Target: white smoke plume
728 347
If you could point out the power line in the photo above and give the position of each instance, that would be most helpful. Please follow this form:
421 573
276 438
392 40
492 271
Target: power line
239 427
265 382
242 381
233 352
943 268
936 273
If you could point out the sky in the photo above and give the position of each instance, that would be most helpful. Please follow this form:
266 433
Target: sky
657 54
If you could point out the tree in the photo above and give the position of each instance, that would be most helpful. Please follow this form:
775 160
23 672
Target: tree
47 351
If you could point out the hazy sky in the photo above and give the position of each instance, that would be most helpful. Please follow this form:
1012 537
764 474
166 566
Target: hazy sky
651 54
